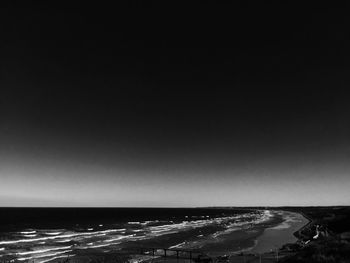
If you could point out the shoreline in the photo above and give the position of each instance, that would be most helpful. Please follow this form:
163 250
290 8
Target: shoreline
274 238
297 233
249 240
250 252
247 253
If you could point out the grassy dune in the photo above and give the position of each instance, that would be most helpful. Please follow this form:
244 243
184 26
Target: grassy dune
333 241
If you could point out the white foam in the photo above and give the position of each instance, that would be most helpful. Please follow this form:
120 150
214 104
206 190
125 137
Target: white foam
61 236
149 222
97 246
42 250
47 260
90 245
28 232
118 238
44 255
178 245
64 241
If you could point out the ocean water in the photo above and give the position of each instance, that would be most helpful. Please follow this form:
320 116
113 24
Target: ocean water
47 234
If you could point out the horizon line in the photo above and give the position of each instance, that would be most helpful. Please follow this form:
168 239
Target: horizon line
174 207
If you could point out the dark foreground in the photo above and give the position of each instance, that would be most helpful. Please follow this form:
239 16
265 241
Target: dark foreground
326 238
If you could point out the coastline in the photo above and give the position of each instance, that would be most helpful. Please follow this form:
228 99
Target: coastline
243 238
297 233
255 253
248 239
274 238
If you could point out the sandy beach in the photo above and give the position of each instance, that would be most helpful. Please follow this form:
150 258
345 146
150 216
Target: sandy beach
266 241
275 237
246 233
265 237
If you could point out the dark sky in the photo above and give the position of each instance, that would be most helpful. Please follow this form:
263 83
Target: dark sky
174 105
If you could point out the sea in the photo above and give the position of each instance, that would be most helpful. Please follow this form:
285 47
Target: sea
52 234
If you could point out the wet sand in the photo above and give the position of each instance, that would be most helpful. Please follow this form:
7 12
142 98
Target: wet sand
275 237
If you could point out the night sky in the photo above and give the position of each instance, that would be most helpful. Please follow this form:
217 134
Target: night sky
154 104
